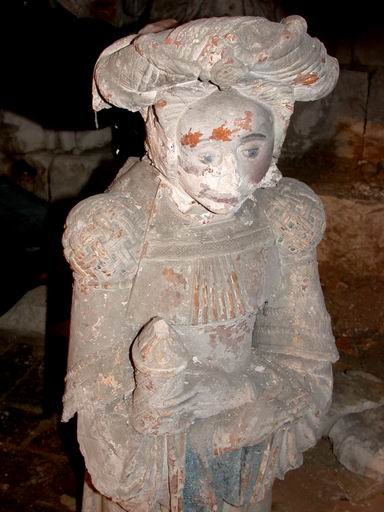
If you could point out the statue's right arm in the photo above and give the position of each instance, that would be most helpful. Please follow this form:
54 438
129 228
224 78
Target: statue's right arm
103 242
99 244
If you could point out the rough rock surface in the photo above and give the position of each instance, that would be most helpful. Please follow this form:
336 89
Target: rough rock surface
353 391
374 133
28 315
21 135
354 238
62 176
358 442
69 173
335 123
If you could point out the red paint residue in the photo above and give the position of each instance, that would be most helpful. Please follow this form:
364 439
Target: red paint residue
245 122
173 277
231 37
139 50
215 40
170 41
191 138
160 104
306 79
221 133
262 57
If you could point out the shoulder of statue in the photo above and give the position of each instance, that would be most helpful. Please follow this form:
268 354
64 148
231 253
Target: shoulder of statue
137 176
296 216
104 236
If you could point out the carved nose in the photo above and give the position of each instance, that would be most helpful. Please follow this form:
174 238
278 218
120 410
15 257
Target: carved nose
229 164
233 169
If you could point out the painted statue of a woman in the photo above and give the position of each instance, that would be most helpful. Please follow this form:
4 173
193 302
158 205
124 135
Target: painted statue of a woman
201 349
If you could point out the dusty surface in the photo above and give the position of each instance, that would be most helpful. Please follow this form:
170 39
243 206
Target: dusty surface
323 485
41 468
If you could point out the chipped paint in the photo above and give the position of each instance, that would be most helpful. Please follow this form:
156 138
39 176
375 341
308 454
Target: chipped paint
215 40
170 41
173 277
306 78
231 37
245 122
221 133
208 313
191 139
161 103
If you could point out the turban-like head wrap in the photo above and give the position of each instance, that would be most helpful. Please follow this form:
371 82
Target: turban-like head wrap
161 74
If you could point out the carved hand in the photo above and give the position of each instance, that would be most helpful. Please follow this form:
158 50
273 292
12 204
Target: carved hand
209 392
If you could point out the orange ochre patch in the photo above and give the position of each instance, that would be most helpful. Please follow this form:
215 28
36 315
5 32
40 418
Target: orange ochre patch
160 104
245 122
221 133
306 79
191 138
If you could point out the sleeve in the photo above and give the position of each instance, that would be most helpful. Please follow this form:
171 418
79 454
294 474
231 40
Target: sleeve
103 243
293 330
294 321
102 247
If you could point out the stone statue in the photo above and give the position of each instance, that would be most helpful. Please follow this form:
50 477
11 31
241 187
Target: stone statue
201 349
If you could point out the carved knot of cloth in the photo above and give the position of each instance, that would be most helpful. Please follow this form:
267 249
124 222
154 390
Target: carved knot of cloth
297 218
99 240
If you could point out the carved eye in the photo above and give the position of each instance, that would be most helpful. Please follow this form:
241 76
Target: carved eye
250 152
207 158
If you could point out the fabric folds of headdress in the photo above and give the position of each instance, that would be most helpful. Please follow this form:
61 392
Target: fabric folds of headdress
223 51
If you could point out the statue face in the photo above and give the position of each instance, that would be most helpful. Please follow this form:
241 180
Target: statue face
225 145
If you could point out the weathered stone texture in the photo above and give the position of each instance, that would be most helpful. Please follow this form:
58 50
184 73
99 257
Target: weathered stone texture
207 257
52 164
28 315
354 391
61 176
358 442
21 135
69 173
354 237
374 132
334 124
38 184
351 259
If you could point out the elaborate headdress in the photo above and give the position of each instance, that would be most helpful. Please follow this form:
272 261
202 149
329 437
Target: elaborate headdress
275 63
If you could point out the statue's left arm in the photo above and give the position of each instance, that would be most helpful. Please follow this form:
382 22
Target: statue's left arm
292 332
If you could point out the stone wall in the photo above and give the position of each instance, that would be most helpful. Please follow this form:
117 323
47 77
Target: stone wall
53 164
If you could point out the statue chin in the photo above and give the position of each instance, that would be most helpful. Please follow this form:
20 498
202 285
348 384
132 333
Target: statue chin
227 207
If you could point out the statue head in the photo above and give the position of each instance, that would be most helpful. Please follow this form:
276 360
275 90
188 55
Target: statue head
216 96
224 146
216 146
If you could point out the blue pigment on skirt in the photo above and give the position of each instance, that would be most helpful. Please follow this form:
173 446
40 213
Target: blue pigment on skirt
230 477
